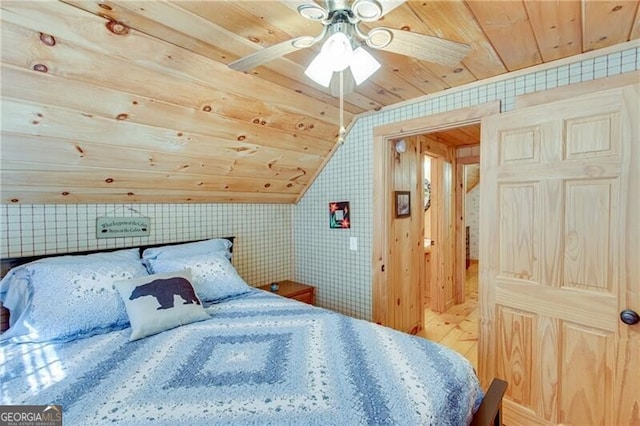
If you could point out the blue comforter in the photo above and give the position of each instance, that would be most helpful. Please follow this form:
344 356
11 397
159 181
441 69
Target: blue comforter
260 359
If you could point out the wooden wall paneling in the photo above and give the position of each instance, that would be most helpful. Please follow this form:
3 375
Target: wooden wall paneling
503 22
557 28
460 264
406 251
443 222
606 23
449 228
438 302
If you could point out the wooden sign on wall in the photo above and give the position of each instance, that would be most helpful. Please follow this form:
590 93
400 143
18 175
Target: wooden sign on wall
114 227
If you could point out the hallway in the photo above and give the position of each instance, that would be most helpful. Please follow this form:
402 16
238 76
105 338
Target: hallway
457 328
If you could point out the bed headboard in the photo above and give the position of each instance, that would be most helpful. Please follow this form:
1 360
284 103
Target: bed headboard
11 262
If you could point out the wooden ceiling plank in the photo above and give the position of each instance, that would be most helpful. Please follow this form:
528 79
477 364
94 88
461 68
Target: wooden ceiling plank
505 22
136 48
37 118
52 90
282 75
247 19
454 21
193 18
557 26
159 86
279 15
51 123
53 152
472 132
58 195
405 18
79 177
405 77
635 30
240 21
607 22
415 73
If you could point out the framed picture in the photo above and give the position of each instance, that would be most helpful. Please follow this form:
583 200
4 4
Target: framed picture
403 203
339 215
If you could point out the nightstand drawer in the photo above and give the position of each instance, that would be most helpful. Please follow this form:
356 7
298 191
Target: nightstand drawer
304 297
293 290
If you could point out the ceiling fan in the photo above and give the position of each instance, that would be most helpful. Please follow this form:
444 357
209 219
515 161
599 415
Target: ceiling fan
342 49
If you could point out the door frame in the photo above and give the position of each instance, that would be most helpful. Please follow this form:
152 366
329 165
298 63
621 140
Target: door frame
383 136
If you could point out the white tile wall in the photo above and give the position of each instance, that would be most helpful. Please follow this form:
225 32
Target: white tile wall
262 249
472 220
322 256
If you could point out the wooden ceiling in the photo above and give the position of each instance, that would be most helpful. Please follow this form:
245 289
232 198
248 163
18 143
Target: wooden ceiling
131 101
460 136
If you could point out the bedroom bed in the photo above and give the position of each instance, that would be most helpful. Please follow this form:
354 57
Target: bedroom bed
118 337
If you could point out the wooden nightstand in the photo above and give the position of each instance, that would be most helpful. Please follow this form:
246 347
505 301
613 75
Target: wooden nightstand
293 290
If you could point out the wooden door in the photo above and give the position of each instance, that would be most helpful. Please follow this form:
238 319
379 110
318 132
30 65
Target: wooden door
560 259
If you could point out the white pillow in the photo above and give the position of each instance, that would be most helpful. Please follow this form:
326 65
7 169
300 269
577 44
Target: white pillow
214 245
156 303
214 277
69 297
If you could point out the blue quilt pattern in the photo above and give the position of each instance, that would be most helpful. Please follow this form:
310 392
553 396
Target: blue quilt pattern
260 359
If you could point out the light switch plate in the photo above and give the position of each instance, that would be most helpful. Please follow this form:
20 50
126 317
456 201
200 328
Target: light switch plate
353 243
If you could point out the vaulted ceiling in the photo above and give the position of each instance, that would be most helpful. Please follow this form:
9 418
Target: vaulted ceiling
132 101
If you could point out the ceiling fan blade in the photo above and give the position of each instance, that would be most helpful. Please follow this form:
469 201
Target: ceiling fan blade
389 5
272 52
419 46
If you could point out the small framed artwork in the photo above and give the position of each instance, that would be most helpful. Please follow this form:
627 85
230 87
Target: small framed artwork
339 215
403 203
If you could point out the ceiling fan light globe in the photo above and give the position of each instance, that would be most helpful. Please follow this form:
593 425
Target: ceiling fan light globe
363 65
319 70
337 49
367 10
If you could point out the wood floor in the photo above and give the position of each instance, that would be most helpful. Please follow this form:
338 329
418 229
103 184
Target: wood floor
457 328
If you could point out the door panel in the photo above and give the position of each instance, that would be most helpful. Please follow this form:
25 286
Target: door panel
559 259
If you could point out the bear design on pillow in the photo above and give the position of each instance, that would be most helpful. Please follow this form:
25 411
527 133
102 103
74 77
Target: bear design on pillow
164 290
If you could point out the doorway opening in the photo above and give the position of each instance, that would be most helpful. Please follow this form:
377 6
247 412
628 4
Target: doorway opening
385 298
